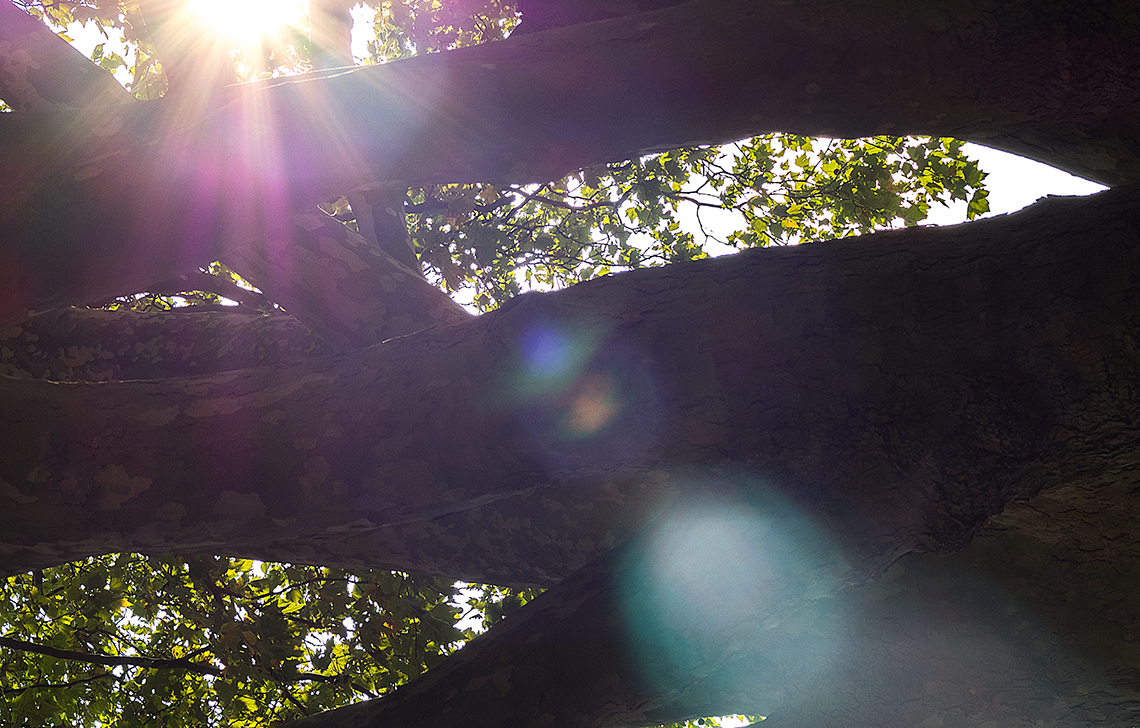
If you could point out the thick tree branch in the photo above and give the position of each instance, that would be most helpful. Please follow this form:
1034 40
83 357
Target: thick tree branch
349 291
987 636
166 191
348 294
937 415
83 345
323 275
380 218
41 72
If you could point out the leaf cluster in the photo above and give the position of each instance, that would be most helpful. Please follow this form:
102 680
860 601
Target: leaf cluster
405 28
489 604
777 189
176 640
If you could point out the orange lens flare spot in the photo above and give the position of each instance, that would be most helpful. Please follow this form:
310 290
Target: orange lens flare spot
594 406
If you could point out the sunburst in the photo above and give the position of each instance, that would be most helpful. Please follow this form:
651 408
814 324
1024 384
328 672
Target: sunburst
248 20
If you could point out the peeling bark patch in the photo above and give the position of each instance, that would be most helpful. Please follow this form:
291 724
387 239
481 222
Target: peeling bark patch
240 506
14 65
9 491
276 417
88 172
213 407
316 471
501 679
117 487
332 248
172 512
309 221
158 418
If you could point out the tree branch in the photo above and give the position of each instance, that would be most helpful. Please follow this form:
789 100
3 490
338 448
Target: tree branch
99 659
39 71
58 686
428 426
347 290
145 184
83 345
349 295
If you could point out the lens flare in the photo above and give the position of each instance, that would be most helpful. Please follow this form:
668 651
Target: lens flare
557 372
719 589
580 395
593 406
550 358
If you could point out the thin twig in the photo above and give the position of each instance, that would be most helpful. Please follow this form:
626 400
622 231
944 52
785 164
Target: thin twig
99 659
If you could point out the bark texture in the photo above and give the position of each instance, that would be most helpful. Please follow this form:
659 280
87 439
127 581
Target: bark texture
903 387
82 345
348 292
346 289
39 72
167 190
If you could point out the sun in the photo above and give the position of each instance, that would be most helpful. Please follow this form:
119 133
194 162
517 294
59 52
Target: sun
248 20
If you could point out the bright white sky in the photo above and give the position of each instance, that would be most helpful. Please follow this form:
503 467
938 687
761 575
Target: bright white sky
1014 182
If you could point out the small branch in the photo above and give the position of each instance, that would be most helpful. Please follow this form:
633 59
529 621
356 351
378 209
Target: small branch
290 697
566 205
58 686
433 204
97 659
199 281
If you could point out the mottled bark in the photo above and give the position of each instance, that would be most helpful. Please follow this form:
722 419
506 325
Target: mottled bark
825 409
85 193
40 72
347 290
904 387
381 220
1033 624
83 345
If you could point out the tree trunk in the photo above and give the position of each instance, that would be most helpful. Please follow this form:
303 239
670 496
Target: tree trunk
108 201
